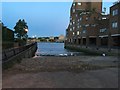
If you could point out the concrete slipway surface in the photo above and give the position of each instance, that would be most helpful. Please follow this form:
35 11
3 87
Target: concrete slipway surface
63 72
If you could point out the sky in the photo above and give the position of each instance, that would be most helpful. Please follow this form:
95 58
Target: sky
43 18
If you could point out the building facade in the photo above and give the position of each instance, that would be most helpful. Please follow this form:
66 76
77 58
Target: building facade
115 25
90 27
7 38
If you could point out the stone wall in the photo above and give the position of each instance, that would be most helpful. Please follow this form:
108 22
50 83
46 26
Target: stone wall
10 57
93 50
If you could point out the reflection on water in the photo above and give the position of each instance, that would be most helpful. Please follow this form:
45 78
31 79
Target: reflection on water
54 49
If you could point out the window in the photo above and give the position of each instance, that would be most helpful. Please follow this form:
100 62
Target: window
87 25
114 25
93 25
73 4
73 22
73 33
68 40
70 29
76 15
104 18
78 26
78 33
73 10
115 12
87 18
84 31
103 30
79 3
73 28
80 18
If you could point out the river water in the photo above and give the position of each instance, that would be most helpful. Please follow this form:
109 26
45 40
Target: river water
54 49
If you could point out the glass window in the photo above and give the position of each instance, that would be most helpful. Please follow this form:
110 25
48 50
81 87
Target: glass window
79 3
73 33
73 28
86 18
104 18
78 32
84 31
70 23
73 10
87 25
80 18
103 30
114 25
115 12
76 15
73 4
73 22
93 25
70 29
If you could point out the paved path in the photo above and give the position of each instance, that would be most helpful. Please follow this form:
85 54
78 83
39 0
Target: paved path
90 79
24 75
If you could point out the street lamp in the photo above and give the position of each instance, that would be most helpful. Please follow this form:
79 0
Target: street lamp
26 36
26 30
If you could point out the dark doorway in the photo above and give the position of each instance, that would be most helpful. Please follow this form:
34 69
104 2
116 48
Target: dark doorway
104 41
84 41
79 41
92 41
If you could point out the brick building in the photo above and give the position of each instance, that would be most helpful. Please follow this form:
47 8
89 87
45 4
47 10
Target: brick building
103 31
89 27
114 25
7 38
83 24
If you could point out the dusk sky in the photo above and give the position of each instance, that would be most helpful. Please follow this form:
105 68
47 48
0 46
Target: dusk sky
43 18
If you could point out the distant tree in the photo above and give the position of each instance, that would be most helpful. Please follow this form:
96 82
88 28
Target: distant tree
39 37
21 30
29 37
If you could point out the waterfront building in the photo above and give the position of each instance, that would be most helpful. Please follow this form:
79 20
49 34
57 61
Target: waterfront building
90 27
51 38
115 25
61 38
102 31
0 34
83 23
